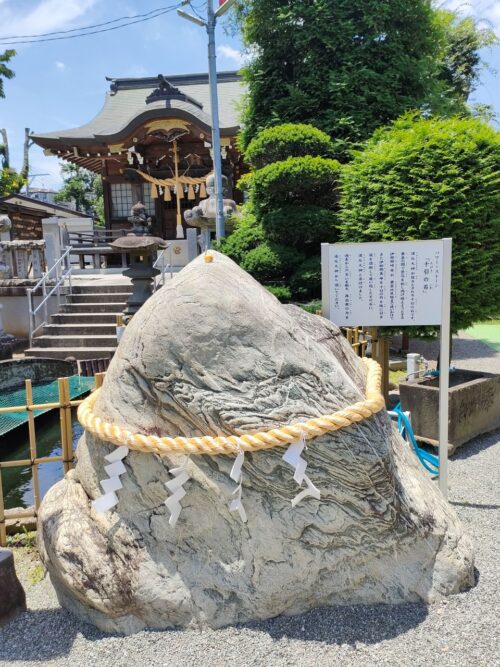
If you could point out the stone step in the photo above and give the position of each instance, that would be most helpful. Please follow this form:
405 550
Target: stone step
102 289
80 329
74 352
92 307
75 341
76 319
92 297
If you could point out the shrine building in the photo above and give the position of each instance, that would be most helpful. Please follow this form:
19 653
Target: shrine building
151 142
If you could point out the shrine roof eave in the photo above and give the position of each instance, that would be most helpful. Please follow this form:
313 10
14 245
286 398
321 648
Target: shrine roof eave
201 120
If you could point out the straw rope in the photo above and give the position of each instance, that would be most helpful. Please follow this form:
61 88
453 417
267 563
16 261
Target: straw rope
233 444
164 182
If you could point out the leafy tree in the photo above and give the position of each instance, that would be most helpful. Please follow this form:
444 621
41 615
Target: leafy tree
10 181
293 198
350 67
5 72
431 179
461 62
84 187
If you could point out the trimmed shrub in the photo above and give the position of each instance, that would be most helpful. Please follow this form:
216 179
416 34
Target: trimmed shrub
289 140
271 262
305 282
247 235
431 179
300 225
297 180
292 208
281 292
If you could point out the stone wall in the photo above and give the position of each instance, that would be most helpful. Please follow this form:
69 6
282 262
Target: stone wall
13 372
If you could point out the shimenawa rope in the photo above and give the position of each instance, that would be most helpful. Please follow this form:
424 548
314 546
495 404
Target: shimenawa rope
233 444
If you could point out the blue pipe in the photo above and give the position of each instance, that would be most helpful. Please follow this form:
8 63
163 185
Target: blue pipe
429 461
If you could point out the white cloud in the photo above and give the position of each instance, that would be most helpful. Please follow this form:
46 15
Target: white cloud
224 51
488 10
61 66
46 16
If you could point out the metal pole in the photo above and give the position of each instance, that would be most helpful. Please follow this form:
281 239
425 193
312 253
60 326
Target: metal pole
444 375
214 104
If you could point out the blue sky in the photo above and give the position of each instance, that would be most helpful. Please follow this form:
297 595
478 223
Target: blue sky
62 84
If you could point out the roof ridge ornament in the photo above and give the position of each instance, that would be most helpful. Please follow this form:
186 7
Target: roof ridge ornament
166 91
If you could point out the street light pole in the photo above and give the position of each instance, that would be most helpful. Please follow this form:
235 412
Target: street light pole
210 24
214 104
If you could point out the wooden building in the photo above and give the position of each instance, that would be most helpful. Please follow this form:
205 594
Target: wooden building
26 215
151 142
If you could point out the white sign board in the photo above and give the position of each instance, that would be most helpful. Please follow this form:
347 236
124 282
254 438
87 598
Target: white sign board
401 283
383 284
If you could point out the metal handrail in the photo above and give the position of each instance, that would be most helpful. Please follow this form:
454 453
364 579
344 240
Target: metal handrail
61 275
163 267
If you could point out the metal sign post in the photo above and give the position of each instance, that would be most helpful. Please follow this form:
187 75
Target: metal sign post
401 283
444 375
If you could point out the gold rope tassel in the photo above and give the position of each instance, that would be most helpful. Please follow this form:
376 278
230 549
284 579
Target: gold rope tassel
234 444
191 194
203 191
154 191
167 195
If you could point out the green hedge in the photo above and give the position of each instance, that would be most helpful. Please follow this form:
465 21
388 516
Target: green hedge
271 262
248 234
301 225
305 282
431 179
289 140
297 180
281 292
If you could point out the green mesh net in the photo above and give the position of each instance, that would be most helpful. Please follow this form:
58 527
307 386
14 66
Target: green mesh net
46 392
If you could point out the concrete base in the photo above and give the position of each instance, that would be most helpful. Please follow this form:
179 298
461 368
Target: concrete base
474 406
12 597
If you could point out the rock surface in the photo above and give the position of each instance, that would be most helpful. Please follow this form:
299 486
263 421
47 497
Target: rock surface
214 352
12 597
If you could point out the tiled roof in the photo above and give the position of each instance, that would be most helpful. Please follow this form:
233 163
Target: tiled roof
127 99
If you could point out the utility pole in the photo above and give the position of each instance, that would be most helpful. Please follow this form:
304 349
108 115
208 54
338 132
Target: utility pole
210 24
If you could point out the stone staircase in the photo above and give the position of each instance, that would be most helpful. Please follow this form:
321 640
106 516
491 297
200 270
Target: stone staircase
85 326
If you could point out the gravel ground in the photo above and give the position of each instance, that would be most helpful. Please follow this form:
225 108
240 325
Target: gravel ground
462 631
467 352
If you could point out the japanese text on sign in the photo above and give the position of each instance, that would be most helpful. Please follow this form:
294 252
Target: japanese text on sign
384 284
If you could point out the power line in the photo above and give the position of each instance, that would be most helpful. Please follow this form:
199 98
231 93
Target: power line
85 27
93 32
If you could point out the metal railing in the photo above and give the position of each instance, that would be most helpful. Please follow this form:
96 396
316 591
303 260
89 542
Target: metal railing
60 270
160 263
94 238
64 404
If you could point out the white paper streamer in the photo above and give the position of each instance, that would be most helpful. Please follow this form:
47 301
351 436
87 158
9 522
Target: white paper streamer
237 476
175 486
293 457
311 490
113 483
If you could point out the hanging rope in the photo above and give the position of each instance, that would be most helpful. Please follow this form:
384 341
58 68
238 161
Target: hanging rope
233 444
164 182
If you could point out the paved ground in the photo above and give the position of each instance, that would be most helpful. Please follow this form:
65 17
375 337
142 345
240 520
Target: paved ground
467 352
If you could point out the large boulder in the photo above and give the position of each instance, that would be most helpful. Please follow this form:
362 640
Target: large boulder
213 352
12 596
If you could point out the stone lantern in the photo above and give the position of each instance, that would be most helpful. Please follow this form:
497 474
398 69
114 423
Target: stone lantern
142 250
